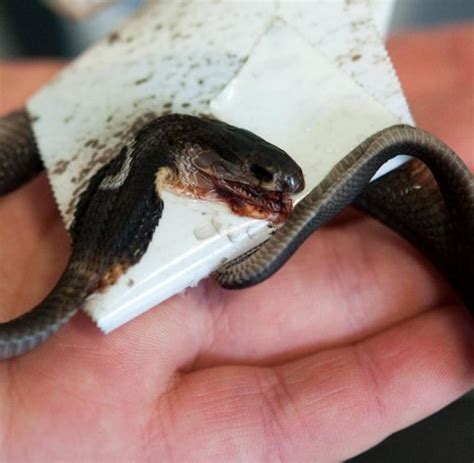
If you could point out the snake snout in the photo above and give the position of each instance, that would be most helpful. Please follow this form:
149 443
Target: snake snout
293 183
278 181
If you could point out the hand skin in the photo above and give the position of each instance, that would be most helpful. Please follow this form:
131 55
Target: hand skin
358 336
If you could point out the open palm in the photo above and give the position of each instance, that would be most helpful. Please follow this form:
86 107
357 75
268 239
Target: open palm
356 337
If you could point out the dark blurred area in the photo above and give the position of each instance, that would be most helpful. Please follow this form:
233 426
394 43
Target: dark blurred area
40 28
425 13
44 28
446 437
31 28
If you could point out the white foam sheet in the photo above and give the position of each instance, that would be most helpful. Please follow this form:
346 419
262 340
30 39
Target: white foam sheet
258 65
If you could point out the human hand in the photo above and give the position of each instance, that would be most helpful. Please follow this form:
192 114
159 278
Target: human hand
356 337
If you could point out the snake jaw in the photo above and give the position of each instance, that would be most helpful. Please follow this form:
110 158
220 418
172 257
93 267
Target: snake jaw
243 198
259 193
204 176
254 201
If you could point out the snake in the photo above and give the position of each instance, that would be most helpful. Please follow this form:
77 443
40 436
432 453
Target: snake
429 200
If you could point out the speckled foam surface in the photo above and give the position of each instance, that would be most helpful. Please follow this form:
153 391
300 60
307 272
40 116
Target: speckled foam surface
231 59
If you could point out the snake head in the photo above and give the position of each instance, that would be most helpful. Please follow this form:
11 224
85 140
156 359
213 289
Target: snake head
253 176
245 157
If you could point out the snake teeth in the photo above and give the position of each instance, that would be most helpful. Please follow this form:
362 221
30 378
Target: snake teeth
255 202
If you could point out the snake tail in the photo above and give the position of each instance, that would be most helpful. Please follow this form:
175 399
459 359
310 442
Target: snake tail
19 155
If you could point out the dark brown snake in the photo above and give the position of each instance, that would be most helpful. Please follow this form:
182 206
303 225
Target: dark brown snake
429 200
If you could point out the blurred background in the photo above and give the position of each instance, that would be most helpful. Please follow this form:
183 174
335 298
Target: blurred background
54 28
34 28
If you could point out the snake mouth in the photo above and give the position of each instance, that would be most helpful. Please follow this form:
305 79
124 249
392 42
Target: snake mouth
253 201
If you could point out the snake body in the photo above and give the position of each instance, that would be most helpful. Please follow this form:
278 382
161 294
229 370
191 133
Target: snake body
429 200
19 156
119 211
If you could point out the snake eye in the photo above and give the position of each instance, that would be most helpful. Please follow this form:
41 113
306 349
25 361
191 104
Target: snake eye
261 173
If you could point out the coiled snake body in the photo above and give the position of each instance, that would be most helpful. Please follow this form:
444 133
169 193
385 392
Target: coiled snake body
429 200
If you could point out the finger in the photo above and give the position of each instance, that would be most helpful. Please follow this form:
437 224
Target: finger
20 79
160 344
317 300
326 407
451 117
344 284
34 246
443 105
446 54
34 242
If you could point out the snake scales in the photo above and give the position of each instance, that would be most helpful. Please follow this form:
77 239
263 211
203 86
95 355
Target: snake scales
429 200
